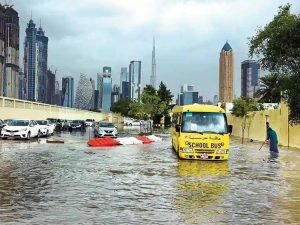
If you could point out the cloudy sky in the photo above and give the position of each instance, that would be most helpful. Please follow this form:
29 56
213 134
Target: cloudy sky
86 35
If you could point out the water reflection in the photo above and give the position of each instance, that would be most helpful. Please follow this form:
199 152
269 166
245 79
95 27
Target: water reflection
201 186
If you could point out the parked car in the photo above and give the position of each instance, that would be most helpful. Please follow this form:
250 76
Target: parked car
133 123
46 127
2 124
24 129
77 124
105 129
89 122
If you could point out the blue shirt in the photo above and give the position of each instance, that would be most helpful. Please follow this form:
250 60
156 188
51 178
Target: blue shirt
272 137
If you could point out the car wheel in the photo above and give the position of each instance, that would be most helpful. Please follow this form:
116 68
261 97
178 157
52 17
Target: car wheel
39 134
130 124
4 138
47 134
28 136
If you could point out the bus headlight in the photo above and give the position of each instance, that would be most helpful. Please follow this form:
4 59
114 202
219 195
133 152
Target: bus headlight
221 151
187 150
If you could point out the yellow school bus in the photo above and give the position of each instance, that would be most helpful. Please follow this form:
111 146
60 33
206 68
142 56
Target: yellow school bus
200 132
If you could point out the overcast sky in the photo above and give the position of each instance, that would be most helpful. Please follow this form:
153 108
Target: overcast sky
86 35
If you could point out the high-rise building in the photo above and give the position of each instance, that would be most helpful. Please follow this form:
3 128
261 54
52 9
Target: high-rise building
92 101
67 92
9 52
35 62
126 90
57 95
115 94
22 85
153 69
124 75
50 92
249 78
42 64
99 89
200 99
215 99
190 97
84 93
186 88
135 69
226 73
106 89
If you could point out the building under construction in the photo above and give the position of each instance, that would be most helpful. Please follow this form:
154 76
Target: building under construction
9 51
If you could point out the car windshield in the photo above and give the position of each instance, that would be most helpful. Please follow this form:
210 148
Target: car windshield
42 122
89 120
19 123
76 121
106 124
204 122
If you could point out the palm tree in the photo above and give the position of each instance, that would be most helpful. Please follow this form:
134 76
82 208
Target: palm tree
271 87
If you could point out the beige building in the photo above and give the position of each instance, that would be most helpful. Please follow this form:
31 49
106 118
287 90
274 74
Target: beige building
226 71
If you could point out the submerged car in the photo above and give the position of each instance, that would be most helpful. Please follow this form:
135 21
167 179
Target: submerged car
24 129
46 127
2 124
89 122
105 129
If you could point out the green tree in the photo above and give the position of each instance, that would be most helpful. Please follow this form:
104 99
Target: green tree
122 106
137 110
278 43
271 88
164 93
278 46
241 108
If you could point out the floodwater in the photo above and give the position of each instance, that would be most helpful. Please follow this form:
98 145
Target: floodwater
144 184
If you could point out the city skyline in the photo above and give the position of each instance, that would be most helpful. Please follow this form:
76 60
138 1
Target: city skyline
187 45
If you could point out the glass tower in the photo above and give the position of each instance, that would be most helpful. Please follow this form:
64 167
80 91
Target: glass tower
135 79
67 95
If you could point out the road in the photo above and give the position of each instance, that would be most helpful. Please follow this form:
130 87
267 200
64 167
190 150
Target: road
72 183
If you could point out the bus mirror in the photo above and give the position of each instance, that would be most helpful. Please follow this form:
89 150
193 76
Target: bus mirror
230 129
177 127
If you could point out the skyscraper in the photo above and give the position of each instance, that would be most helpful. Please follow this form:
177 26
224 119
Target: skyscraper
106 89
84 92
135 79
153 70
42 64
67 92
115 93
92 101
35 62
226 73
50 87
123 75
99 89
249 78
9 52
22 85
30 70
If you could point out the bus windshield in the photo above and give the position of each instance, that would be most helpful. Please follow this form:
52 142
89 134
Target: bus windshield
204 122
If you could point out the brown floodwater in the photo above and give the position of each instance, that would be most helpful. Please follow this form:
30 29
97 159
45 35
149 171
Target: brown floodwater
144 184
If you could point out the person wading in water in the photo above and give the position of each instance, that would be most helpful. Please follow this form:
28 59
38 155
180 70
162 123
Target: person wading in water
272 141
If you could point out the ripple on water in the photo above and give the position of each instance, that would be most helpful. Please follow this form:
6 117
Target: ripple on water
73 184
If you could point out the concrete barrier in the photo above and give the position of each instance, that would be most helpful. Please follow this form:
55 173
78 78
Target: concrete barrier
256 129
19 109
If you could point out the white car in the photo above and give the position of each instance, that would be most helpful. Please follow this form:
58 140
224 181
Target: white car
46 127
89 122
24 129
105 129
133 123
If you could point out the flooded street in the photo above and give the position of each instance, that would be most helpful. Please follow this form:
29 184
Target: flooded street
72 183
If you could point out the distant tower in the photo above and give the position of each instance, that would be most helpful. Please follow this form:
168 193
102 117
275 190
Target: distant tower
226 72
249 78
153 71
